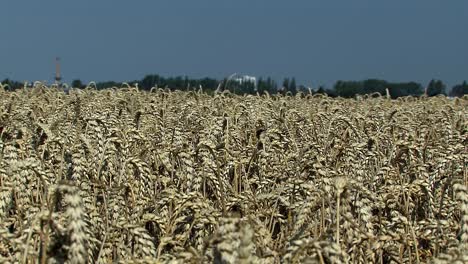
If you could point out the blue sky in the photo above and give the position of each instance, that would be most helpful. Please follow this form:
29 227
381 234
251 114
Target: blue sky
318 42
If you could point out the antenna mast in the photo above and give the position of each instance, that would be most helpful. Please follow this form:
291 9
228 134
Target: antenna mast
58 77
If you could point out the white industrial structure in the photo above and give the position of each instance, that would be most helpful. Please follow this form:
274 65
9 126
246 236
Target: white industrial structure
246 79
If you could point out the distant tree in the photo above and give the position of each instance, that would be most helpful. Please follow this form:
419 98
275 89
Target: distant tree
77 84
435 87
321 90
250 87
271 85
405 89
303 89
373 86
209 84
107 84
292 86
285 87
6 82
12 85
148 82
186 83
261 85
459 90
350 89
266 85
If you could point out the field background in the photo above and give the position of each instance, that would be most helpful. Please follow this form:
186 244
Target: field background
184 177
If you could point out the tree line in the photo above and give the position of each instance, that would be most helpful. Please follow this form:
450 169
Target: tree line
341 88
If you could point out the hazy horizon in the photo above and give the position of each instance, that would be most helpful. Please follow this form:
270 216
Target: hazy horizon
316 42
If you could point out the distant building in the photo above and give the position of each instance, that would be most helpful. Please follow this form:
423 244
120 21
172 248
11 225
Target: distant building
246 79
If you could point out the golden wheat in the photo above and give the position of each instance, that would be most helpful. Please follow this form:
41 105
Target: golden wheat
125 176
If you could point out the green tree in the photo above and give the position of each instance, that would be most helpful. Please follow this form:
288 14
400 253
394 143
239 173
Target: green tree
374 85
321 90
348 89
292 86
459 90
12 85
186 83
77 84
285 87
149 81
405 89
108 84
435 87
271 85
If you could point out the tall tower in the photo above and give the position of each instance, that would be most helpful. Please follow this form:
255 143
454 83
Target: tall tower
58 77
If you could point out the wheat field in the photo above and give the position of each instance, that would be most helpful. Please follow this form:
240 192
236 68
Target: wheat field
126 176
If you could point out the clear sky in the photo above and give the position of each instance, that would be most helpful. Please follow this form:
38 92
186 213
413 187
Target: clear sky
318 42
